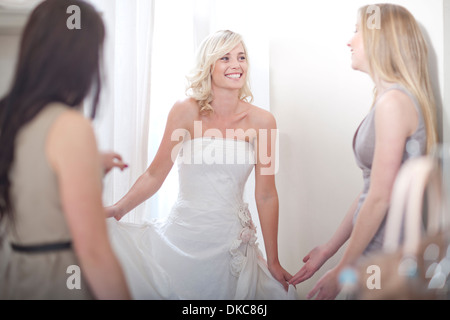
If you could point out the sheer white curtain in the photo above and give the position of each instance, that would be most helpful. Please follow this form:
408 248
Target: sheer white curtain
123 122
150 48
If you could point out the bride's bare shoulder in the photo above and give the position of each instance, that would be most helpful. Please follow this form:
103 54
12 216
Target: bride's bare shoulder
186 105
261 118
186 109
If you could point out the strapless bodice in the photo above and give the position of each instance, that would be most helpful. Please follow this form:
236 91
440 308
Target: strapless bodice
214 169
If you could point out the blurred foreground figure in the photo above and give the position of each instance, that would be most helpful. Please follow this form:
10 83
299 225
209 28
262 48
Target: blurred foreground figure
54 231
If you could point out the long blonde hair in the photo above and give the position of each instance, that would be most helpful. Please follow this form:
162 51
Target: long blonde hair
397 53
212 49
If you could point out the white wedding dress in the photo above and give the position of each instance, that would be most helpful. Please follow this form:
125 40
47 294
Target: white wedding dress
206 248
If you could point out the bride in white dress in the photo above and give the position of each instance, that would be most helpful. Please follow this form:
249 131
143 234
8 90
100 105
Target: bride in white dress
207 248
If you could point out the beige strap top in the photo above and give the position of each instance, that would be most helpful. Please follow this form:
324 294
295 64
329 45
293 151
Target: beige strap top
39 218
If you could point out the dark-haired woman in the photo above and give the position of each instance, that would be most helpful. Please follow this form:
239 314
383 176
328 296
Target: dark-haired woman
55 236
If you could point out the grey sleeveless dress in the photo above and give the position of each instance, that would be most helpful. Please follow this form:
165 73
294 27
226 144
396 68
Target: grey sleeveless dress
36 254
364 147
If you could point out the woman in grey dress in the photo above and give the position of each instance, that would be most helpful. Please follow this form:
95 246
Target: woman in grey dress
401 124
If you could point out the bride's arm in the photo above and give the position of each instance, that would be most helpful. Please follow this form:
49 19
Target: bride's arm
152 179
266 195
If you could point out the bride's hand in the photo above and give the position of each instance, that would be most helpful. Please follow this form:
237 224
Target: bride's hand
281 275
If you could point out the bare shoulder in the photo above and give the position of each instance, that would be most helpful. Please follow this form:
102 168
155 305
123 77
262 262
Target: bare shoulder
395 101
397 108
183 112
186 107
71 135
260 118
71 122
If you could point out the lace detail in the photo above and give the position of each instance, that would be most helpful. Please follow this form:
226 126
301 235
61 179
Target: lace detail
247 236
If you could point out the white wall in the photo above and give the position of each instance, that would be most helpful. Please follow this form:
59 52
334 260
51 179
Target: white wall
319 101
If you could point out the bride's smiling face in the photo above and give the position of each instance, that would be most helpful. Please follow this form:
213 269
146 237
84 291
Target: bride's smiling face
230 71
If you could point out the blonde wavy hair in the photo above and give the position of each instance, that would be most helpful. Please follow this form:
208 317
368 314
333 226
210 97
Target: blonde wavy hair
397 53
212 49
